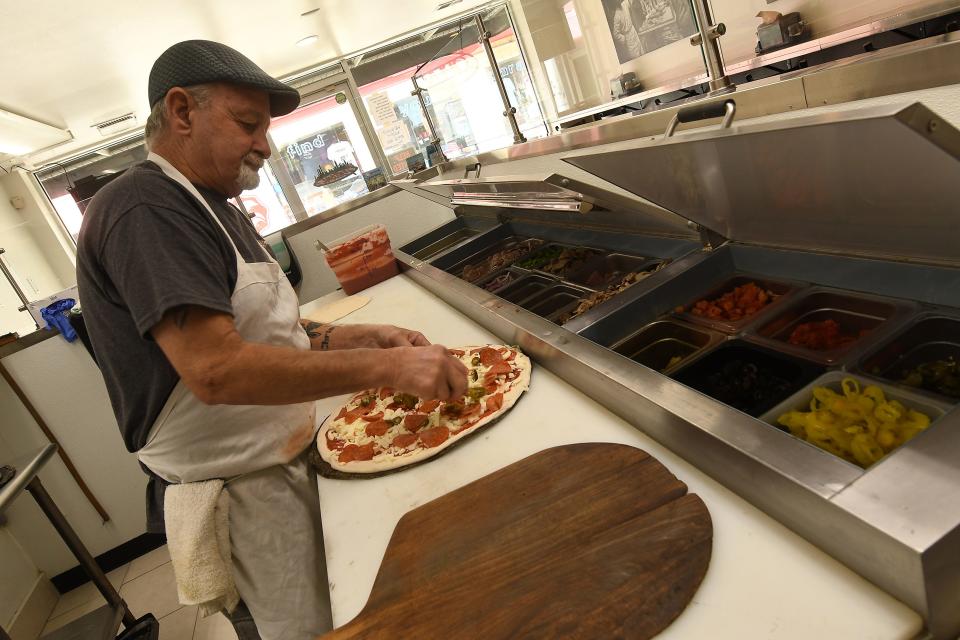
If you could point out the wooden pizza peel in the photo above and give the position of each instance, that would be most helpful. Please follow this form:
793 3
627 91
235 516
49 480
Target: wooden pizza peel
580 541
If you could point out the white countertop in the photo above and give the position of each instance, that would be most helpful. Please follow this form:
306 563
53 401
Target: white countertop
764 581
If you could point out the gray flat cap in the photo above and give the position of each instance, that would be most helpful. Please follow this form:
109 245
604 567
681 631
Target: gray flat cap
201 61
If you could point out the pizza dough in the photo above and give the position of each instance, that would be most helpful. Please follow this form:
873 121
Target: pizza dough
380 430
337 310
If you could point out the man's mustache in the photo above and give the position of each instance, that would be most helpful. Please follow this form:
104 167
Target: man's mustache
255 158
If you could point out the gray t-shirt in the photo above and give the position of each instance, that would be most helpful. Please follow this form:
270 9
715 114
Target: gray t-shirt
147 246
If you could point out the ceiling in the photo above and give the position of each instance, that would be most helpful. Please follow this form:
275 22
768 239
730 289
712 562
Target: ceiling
72 64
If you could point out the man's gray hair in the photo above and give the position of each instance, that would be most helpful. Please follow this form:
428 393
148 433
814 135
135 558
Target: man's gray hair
157 120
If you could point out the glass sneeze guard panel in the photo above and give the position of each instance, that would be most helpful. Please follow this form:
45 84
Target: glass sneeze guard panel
463 92
460 92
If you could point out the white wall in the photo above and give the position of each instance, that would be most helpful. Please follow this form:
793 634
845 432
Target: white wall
405 216
67 390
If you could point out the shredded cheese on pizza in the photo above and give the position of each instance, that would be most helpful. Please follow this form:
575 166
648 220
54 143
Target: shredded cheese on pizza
381 429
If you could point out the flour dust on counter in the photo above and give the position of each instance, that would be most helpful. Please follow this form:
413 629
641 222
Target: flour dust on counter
382 430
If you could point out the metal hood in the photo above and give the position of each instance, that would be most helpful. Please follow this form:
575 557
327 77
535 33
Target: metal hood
878 181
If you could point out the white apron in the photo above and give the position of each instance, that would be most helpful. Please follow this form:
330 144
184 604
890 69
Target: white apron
274 513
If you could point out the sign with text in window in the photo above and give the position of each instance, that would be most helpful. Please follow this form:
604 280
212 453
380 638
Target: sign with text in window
394 136
381 109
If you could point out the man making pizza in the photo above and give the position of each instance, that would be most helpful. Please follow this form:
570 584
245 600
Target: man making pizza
210 370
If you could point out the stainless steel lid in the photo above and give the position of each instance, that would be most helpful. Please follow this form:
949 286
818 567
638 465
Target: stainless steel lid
878 181
553 192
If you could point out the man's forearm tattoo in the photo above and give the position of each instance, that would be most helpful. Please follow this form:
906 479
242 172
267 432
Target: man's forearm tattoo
313 329
325 343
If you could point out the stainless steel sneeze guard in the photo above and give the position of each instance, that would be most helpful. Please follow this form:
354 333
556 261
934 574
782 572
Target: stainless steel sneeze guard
897 523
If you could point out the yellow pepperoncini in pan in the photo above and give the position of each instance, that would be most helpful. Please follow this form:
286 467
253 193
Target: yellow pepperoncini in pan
859 425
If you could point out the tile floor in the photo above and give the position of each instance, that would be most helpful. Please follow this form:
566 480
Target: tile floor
147 585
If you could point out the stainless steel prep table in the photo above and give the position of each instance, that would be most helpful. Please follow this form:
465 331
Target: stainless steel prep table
763 580
864 202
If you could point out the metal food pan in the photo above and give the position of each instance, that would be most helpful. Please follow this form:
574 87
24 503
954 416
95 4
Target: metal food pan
513 273
860 317
782 289
800 401
485 253
444 243
929 338
446 236
555 301
603 271
525 288
657 344
721 374
566 271
605 300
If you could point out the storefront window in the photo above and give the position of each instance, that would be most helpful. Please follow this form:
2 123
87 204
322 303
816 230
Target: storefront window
71 186
361 125
322 148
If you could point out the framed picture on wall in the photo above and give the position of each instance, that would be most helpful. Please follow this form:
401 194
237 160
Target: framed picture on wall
641 26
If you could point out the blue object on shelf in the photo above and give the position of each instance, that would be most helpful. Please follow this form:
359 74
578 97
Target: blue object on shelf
56 316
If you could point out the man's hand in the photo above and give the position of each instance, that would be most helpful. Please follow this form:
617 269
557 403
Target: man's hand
428 372
388 336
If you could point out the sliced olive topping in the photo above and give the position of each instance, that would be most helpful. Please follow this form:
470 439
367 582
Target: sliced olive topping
406 400
475 361
475 393
474 375
453 409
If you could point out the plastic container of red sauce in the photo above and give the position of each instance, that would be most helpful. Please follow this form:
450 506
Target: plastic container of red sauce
362 259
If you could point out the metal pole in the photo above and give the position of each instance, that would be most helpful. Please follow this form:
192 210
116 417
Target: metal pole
431 129
53 513
13 283
707 38
509 111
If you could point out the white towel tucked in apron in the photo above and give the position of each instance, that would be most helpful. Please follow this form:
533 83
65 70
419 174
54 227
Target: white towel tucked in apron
197 519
